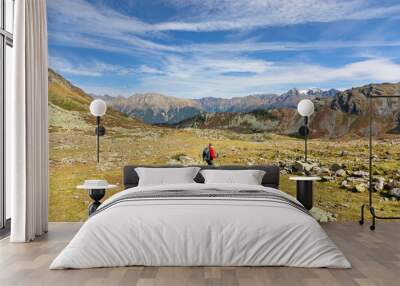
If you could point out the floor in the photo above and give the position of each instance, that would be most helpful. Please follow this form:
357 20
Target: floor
375 257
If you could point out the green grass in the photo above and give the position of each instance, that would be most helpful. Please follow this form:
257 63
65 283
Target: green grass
72 160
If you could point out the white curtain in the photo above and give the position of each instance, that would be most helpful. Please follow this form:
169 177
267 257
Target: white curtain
27 124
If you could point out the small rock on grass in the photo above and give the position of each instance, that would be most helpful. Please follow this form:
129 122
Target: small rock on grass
340 173
322 215
361 188
395 192
327 179
335 167
360 174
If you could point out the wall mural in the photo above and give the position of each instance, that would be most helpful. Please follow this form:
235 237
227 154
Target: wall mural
186 75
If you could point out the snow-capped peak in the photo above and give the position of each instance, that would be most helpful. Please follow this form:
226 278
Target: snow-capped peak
312 90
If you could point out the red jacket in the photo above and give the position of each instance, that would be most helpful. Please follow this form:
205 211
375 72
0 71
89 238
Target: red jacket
212 153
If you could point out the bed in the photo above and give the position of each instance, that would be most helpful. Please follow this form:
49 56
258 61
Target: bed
198 224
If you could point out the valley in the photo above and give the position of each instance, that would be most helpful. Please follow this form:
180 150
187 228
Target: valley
130 141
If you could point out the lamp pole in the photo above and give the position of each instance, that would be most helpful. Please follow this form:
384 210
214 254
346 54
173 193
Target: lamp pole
98 108
305 108
305 137
98 138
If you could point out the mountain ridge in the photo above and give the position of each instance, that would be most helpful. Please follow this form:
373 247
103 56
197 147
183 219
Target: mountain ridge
344 114
155 108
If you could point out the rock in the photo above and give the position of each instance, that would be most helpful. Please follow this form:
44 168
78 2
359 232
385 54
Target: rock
322 215
343 153
315 170
356 180
395 192
344 205
345 184
335 167
173 162
360 174
379 185
361 188
300 166
392 184
340 173
283 172
327 179
323 171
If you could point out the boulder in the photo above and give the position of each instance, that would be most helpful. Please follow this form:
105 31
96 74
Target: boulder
340 173
356 180
327 179
300 166
283 172
392 184
335 167
297 167
395 192
379 184
360 174
323 171
322 215
361 188
345 184
173 162
316 170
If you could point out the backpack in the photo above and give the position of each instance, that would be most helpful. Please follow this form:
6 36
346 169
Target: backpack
206 154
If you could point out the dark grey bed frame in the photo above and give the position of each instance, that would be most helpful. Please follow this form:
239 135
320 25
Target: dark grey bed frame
271 178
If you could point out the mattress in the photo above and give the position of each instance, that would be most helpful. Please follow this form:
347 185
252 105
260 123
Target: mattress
201 225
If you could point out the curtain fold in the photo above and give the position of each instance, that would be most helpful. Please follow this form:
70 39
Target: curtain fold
28 123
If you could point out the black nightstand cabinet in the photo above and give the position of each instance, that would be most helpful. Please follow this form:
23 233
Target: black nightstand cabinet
304 193
304 190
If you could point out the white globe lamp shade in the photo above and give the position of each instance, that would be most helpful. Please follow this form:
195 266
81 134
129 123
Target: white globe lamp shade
305 107
98 107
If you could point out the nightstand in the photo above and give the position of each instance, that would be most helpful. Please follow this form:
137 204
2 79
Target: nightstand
96 192
304 190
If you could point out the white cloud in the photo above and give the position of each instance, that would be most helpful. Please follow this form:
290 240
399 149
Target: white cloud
208 69
107 90
224 15
91 68
79 23
199 77
149 70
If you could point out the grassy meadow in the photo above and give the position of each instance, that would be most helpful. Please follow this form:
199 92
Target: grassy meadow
73 151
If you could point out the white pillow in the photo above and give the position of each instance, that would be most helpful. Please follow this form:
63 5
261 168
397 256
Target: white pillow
248 177
166 176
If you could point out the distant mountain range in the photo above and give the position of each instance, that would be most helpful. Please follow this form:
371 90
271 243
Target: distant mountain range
346 113
155 108
337 114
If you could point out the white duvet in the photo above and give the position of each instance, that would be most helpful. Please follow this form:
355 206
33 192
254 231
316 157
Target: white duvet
200 231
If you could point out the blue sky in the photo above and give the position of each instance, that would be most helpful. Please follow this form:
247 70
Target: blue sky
223 48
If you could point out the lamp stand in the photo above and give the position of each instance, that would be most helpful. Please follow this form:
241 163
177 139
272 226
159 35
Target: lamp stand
98 137
305 137
369 205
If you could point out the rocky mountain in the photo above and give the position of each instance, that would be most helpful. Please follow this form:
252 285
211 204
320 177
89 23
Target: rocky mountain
337 114
69 107
263 120
348 111
291 98
344 114
156 108
237 104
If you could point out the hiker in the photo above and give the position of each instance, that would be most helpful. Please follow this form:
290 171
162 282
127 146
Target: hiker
209 154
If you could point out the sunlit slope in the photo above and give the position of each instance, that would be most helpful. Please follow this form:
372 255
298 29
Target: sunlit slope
69 107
